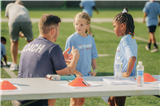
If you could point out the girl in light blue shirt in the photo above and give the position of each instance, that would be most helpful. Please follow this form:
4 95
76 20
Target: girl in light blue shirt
87 48
127 50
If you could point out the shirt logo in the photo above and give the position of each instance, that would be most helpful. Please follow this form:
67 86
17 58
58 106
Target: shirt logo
33 48
88 46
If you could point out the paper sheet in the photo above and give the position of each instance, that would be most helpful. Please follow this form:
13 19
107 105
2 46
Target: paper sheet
124 81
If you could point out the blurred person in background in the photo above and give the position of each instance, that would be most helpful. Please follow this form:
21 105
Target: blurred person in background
88 7
3 51
0 5
19 25
151 10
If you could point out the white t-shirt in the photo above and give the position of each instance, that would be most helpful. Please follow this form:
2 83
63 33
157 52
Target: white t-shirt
17 13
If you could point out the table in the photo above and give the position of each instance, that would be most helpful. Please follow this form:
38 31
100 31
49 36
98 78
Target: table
41 88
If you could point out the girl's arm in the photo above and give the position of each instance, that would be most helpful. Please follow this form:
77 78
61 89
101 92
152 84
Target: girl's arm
131 63
5 59
94 66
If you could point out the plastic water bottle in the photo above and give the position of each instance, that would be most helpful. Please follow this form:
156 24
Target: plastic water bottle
118 69
140 71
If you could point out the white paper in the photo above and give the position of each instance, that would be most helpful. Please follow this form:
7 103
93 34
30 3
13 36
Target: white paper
91 85
1 80
124 81
158 81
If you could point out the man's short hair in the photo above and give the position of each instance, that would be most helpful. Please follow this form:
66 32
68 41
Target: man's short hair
47 22
3 39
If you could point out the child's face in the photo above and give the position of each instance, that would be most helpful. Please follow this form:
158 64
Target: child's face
119 29
80 25
3 42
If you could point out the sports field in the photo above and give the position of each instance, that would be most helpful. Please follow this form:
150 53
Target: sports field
106 43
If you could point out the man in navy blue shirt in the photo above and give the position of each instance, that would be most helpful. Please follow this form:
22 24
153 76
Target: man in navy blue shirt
41 57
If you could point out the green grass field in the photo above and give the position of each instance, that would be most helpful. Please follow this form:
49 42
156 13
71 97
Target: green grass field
106 44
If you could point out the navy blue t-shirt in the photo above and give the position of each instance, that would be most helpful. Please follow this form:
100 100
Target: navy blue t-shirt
39 58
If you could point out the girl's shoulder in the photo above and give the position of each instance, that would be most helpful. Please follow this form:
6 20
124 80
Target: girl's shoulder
73 36
126 38
91 37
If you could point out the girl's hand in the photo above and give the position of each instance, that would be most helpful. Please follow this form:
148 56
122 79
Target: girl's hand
124 74
93 73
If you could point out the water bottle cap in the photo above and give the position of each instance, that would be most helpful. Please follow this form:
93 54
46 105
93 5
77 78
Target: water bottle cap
140 62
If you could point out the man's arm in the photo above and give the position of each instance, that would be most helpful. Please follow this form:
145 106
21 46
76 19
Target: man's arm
144 16
72 66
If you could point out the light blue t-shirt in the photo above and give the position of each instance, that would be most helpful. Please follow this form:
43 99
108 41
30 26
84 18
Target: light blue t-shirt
87 6
152 9
87 49
125 50
3 50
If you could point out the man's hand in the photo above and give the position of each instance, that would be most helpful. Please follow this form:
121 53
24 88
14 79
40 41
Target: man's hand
78 74
67 56
75 53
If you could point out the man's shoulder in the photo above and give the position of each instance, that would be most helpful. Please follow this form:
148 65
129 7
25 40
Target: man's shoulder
41 40
10 5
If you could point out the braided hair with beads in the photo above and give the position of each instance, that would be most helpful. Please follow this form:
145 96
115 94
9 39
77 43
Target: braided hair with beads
126 18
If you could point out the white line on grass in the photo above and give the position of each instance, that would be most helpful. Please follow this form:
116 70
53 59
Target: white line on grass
111 31
101 55
10 73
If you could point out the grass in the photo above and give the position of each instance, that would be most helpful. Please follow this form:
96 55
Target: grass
106 43
71 12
